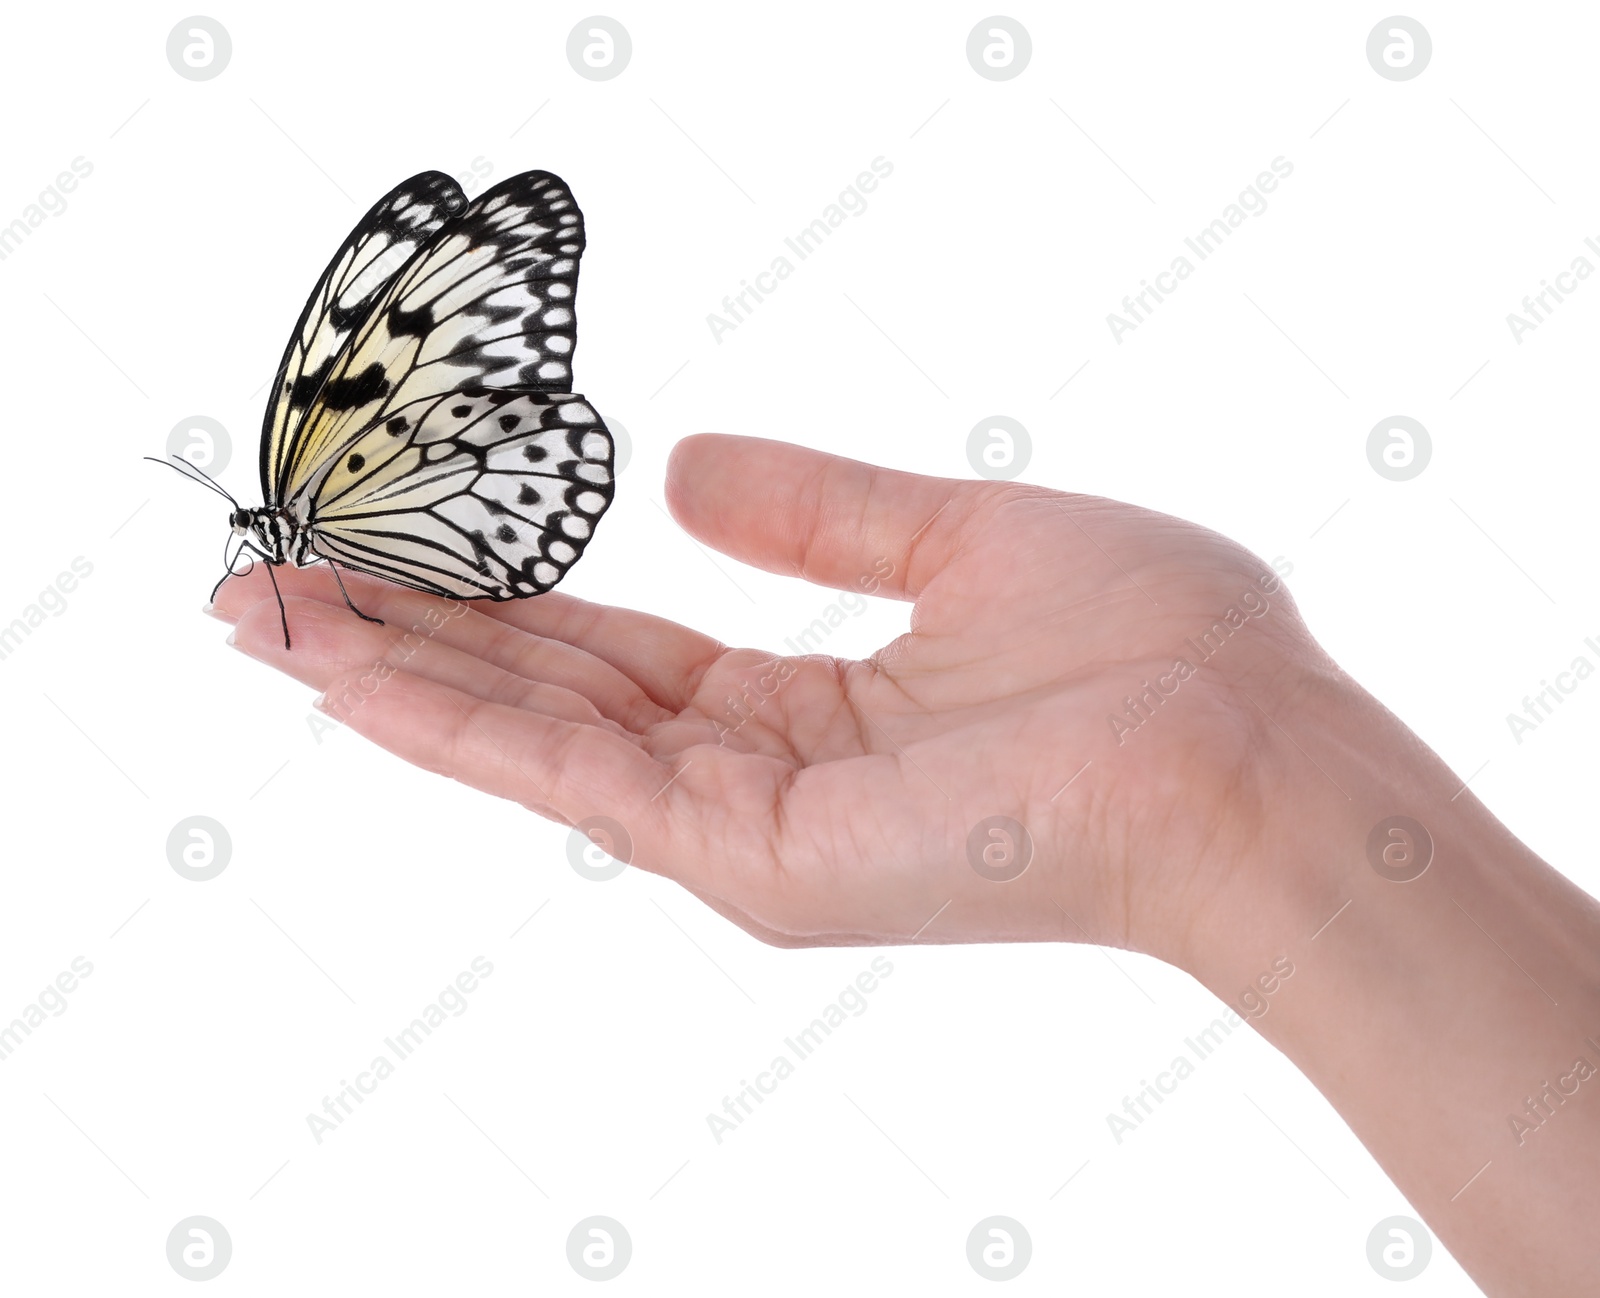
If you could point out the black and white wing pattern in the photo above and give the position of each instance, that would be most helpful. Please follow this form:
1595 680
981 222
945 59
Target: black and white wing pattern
385 240
480 493
489 301
425 430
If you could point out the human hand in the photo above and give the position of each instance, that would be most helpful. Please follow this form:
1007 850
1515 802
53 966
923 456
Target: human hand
820 801
817 801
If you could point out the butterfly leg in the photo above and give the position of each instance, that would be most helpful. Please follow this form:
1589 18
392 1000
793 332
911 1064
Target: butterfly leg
363 616
283 613
257 553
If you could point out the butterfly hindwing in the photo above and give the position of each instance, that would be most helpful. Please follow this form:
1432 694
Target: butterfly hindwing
488 301
478 493
383 243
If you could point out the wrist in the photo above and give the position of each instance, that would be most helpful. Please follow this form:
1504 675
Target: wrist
1434 996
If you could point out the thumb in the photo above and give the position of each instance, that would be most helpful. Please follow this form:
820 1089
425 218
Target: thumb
832 521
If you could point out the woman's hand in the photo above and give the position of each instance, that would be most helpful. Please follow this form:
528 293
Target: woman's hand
1108 678
1192 776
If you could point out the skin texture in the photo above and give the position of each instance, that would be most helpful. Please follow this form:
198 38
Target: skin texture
1218 824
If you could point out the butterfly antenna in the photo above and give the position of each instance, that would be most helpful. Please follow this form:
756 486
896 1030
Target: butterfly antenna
195 474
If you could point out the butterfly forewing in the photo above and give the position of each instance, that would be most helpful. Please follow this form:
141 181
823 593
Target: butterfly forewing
386 240
478 493
489 301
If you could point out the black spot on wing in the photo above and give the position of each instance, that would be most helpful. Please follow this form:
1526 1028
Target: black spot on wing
306 385
350 393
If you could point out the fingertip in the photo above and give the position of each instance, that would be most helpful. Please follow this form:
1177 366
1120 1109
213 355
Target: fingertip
238 592
257 628
697 444
685 470
711 478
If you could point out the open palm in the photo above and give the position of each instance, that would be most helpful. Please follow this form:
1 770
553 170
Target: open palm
1035 718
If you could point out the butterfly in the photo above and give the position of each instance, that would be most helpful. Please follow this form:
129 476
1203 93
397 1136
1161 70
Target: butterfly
422 426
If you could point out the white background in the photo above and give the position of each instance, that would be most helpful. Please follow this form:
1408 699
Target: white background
578 1081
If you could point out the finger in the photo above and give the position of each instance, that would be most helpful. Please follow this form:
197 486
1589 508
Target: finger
411 615
552 765
663 660
543 747
830 520
557 768
330 644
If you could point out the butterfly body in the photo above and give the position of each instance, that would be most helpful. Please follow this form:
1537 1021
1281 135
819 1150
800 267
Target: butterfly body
422 427
276 536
